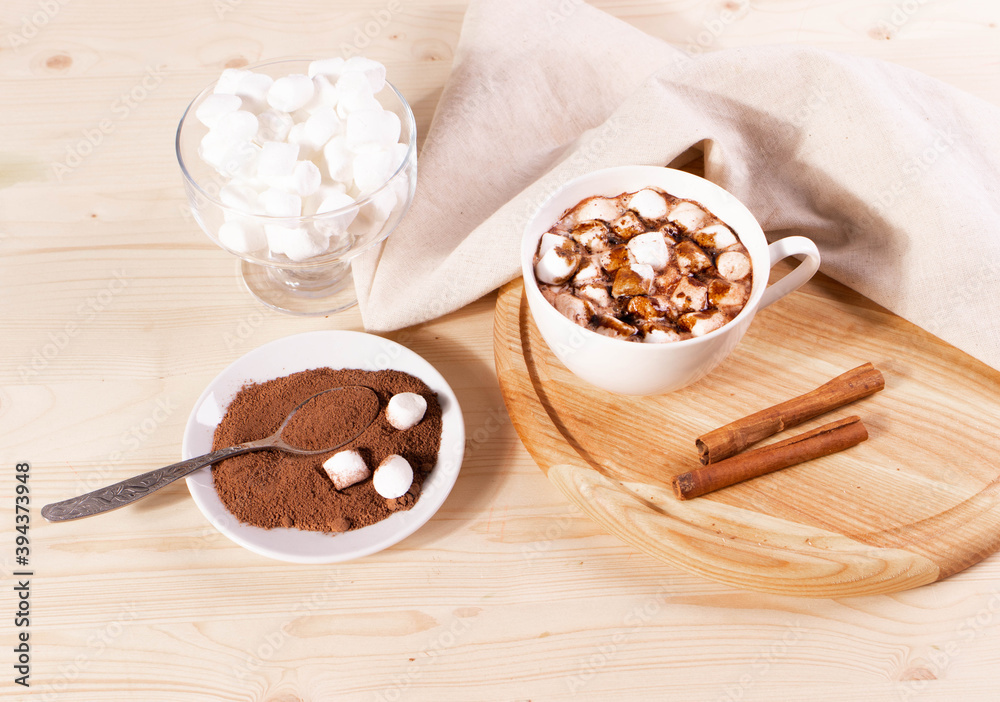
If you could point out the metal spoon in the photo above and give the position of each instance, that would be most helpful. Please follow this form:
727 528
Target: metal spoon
128 491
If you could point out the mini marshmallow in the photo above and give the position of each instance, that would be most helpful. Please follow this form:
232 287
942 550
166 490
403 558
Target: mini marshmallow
650 249
373 71
277 161
717 236
660 335
346 468
371 169
274 125
237 125
277 236
393 477
242 237
335 226
253 88
289 93
325 94
339 159
305 179
301 244
557 265
687 215
405 410
372 126
644 270
733 265
648 204
590 270
223 152
331 67
354 94
216 106
279 203
322 124
606 209
242 197
230 78
550 241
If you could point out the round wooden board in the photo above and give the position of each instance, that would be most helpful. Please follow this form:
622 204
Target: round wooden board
915 503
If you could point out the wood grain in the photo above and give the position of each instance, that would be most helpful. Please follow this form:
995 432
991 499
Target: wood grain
882 517
511 592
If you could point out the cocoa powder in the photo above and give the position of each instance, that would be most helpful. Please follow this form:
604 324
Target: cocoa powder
272 489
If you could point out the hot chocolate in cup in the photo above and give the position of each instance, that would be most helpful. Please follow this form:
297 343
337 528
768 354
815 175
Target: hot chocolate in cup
632 368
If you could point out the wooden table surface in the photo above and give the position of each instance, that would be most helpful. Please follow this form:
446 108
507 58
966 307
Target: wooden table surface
117 311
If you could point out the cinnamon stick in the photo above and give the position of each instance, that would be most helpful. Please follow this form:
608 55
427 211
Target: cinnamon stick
729 440
827 439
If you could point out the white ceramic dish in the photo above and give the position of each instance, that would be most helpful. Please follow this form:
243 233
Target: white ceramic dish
333 349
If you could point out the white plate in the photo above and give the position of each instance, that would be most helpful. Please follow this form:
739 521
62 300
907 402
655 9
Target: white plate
331 349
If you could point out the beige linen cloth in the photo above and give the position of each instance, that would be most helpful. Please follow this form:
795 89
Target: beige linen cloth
893 174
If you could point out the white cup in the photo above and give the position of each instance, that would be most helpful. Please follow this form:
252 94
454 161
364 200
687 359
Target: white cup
634 368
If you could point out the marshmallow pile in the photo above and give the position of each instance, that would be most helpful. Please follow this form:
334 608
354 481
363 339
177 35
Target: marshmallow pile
394 475
302 145
644 266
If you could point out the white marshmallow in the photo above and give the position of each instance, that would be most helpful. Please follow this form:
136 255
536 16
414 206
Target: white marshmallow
393 477
355 93
716 236
325 94
305 179
277 237
216 106
223 152
322 124
277 161
373 71
550 241
405 410
660 336
606 209
334 227
242 237
253 88
289 93
274 125
301 244
355 103
237 125
371 170
332 67
555 267
372 126
648 204
339 159
346 468
242 197
733 265
644 270
279 203
230 78
688 215
590 270
334 200
651 249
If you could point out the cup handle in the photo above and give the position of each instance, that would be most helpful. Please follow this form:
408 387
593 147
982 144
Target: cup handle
783 248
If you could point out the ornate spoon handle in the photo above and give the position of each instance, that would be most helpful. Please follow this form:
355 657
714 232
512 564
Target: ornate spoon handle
131 489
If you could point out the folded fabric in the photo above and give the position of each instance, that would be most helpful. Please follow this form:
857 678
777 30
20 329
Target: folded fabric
893 174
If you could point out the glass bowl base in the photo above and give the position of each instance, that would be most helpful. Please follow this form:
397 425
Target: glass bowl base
308 292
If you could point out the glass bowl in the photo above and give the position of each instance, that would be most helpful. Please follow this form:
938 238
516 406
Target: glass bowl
295 282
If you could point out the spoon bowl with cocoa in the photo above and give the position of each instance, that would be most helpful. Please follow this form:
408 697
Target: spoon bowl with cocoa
297 434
